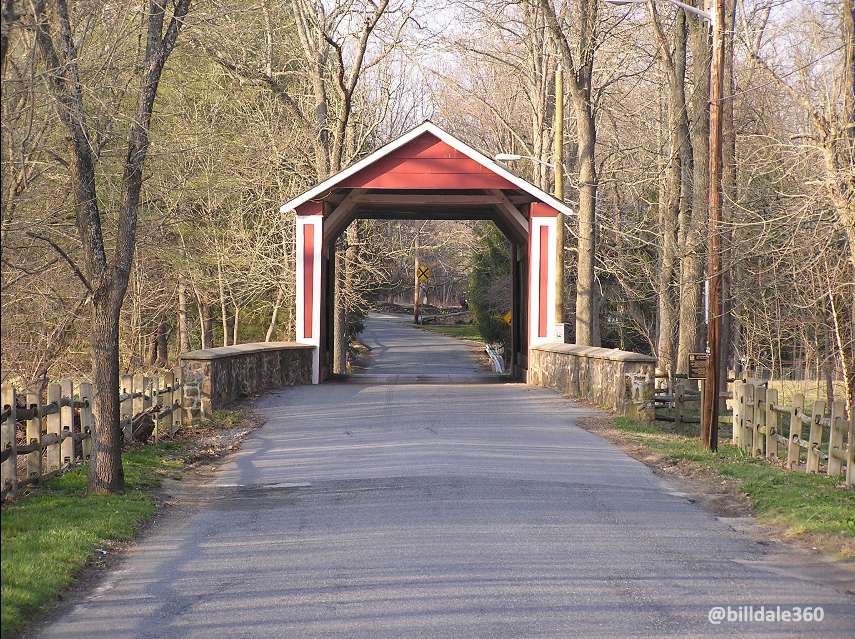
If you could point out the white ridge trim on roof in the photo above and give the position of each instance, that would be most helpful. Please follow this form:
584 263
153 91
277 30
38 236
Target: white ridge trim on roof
427 127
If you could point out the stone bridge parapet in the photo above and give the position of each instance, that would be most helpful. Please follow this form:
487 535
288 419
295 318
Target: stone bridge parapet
215 377
619 381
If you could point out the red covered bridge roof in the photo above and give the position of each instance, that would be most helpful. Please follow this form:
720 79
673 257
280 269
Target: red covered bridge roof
426 158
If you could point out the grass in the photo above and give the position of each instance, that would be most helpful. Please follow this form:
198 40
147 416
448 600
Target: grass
812 390
462 331
798 502
50 535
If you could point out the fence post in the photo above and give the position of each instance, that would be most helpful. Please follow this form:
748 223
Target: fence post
815 437
66 423
126 410
835 439
34 434
759 425
677 395
7 437
771 423
149 388
140 387
177 403
736 413
795 434
166 383
747 441
86 421
54 458
137 404
850 451
153 400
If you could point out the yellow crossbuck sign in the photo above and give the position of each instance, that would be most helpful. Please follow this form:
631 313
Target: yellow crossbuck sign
424 274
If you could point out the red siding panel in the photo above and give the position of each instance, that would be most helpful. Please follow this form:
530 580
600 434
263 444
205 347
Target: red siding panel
426 146
543 291
312 207
539 209
426 163
308 279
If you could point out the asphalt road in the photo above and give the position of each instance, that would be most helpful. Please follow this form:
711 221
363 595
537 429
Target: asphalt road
401 353
429 510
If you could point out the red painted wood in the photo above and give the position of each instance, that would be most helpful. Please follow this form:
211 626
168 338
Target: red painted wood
308 279
543 288
539 209
426 146
312 207
426 163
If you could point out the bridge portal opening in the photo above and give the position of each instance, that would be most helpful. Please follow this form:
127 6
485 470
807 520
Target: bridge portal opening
440 280
427 174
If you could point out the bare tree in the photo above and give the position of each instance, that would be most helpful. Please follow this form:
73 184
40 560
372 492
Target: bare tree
105 277
579 60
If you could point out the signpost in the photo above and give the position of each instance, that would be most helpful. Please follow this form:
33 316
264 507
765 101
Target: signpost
424 274
698 365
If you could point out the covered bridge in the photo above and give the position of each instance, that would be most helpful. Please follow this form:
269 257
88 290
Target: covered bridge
427 174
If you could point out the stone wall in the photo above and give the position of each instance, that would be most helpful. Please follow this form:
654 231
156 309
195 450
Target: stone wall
619 381
215 377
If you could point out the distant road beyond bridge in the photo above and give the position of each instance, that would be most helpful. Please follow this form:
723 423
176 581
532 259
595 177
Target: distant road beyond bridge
459 510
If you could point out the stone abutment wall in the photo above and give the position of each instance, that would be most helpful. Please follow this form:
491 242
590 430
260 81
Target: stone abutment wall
618 381
215 377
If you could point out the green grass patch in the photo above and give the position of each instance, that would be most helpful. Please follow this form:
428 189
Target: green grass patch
798 502
48 536
463 331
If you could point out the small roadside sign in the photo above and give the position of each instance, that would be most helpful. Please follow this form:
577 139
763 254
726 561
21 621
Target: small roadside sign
424 274
698 363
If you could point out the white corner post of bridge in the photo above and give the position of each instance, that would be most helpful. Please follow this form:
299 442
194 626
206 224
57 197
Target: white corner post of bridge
541 295
308 286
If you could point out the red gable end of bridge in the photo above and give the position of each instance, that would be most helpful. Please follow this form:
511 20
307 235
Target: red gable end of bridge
426 163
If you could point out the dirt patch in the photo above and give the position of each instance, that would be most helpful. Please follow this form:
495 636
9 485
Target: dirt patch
213 440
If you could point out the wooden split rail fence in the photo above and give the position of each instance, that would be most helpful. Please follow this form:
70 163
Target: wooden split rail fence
58 432
680 401
806 436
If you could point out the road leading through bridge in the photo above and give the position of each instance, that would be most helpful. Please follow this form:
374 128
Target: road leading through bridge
430 510
401 353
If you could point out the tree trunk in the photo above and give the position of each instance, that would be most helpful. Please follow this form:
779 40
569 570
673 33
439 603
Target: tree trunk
694 194
105 470
162 345
223 312
671 205
236 325
585 162
351 264
339 353
273 315
228 328
183 329
207 319
829 357
728 196
151 344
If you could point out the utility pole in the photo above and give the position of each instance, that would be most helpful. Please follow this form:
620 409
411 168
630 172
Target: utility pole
558 169
709 423
416 285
